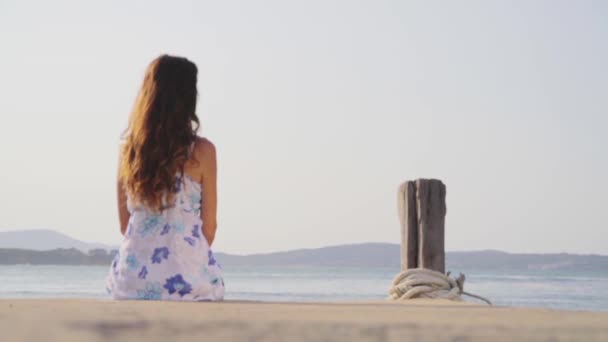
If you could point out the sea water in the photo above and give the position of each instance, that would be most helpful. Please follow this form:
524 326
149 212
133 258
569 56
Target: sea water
560 290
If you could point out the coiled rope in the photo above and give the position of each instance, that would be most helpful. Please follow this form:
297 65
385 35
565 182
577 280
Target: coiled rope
425 283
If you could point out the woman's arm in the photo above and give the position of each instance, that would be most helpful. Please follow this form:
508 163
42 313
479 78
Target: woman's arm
208 164
123 213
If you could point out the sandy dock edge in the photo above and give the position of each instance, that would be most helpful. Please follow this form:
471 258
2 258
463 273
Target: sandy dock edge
50 320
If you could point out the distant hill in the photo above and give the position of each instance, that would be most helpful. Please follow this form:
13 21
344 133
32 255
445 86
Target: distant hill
354 255
389 255
49 247
44 240
365 254
498 260
71 256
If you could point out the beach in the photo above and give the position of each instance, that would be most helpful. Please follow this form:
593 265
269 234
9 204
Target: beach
417 320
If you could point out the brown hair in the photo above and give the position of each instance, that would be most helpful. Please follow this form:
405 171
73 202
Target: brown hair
162 127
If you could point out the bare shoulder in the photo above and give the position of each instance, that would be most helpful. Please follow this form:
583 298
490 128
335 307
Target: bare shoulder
204 152
204 149
202 159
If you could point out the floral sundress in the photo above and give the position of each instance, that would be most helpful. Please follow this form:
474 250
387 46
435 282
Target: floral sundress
164 256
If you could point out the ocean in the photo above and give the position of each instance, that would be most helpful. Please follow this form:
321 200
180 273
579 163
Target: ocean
547 289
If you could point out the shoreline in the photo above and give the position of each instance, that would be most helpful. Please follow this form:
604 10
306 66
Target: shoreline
376 301
239 320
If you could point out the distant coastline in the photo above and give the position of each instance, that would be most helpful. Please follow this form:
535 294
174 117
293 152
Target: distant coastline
49 247
357 255
60 256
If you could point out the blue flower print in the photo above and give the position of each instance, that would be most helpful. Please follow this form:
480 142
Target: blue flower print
177 284
165 229
159 254
115 263
151 292
150 225
195 199
212 260
143 273
190 240
179 227
132 262
178 184
215 281
196 231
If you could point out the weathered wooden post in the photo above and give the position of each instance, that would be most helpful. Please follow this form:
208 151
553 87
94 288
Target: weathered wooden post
422 212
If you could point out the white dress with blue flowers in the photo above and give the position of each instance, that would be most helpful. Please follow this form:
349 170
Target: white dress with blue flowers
164 256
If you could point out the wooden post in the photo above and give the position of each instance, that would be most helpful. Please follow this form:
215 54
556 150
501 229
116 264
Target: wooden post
408 216
422 212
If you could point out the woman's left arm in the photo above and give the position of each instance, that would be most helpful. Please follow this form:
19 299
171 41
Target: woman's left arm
123 213
209 195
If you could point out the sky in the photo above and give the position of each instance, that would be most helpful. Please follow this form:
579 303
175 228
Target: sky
319 110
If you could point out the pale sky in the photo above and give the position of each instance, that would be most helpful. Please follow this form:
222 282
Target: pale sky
319 110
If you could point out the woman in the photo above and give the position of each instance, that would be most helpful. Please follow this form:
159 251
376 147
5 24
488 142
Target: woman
166 194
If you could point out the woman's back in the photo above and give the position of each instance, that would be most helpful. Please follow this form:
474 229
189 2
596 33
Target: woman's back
167 196
164 255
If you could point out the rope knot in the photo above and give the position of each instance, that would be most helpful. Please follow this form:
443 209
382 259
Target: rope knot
425 283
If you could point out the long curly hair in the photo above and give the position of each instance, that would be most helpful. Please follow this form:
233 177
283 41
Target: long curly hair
162 127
